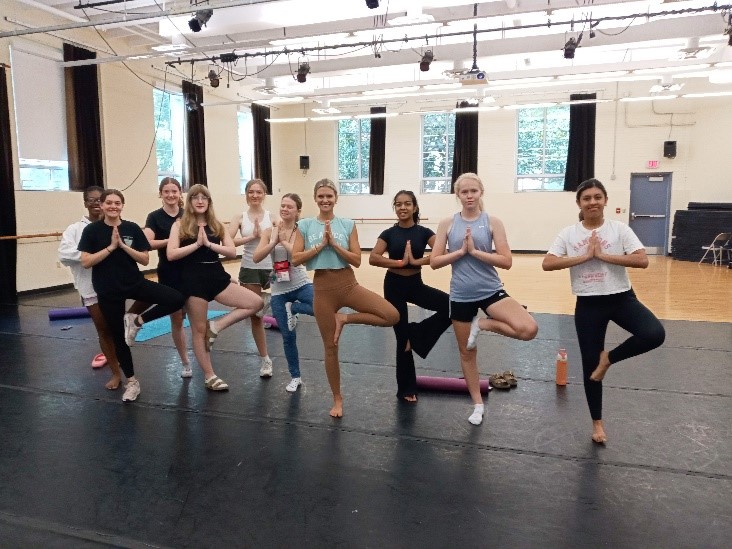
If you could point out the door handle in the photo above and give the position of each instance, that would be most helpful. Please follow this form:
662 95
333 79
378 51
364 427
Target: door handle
634 215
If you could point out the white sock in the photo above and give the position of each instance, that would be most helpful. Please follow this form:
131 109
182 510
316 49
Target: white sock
476 418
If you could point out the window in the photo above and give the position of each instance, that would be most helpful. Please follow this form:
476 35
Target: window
543 138
438 145
170 137
40 124
354 143
246 147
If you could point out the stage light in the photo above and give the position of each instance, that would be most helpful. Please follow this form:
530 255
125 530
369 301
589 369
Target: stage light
371 4
302 72
427 58
213 78
200 18
571 45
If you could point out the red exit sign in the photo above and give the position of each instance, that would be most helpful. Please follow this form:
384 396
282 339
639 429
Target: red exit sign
652 164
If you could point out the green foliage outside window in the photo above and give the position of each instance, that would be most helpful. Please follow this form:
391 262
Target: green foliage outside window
354 144
438 146
543 138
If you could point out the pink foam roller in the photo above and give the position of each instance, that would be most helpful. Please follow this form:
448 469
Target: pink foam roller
270 322
451 384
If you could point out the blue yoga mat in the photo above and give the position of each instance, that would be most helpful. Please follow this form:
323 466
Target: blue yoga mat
161 326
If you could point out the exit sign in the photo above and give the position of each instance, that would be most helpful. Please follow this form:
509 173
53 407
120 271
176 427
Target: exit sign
652 164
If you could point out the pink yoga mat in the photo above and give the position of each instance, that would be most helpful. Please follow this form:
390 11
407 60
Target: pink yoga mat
270 322
452 384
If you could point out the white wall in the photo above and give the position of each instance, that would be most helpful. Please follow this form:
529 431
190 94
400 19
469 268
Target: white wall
626 139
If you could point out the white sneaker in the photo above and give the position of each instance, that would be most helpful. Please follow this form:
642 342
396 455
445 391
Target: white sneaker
291 319
132 391
295 382
265 367
131 329
186 371
266 297
473 337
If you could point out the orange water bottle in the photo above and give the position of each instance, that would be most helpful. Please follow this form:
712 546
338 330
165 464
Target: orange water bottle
561 377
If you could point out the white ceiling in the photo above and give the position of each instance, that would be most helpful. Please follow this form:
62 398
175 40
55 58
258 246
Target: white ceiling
374 55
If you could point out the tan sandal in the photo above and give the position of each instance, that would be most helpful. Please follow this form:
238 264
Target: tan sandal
508 376
499 382
216 384
210 336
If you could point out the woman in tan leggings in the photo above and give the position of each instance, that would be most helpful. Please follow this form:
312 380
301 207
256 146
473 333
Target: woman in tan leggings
329 246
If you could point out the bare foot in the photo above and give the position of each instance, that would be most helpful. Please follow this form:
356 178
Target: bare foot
408 347
113 383
409 398
337 409
340 321
598 432
602 367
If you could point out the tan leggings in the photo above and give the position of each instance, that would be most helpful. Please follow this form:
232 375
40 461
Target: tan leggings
337 288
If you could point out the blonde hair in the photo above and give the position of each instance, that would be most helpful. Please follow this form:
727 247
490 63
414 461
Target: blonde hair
472 176
188 222
250 184
325 182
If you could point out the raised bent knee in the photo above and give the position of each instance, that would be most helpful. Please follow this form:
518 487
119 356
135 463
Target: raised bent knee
391 317
527 331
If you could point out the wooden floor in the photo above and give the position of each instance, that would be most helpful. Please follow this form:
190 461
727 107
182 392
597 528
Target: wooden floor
673 290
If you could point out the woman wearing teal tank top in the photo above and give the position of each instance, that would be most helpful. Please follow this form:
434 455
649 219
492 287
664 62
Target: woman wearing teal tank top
477 246
329 246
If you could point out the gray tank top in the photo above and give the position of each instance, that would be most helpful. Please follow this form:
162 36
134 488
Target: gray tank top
472 280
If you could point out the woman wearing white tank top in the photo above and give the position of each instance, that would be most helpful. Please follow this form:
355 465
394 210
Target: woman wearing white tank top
475 252
255 277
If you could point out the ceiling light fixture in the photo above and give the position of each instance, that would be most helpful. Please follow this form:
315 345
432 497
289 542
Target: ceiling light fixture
200 18
414 16
427 58
571 45
213 78
302 72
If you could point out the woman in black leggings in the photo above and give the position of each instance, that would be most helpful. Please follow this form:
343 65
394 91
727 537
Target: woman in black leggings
112 248
597 251
406 242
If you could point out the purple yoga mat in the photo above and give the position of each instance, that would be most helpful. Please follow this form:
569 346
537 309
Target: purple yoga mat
453 384
68 312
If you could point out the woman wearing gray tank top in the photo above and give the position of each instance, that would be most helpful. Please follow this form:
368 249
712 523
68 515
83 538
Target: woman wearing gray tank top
477 246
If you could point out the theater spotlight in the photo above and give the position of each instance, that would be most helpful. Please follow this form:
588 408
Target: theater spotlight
200 18
302 72
213 78
571 45
427 58
371 4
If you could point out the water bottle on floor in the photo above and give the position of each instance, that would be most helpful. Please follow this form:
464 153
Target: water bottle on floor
561 375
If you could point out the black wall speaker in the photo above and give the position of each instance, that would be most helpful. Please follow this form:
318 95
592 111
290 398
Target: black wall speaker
305 162
669 149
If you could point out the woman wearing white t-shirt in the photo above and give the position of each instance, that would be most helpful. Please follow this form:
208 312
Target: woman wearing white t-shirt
597 251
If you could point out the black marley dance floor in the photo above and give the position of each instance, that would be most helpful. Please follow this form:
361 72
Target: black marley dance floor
259 467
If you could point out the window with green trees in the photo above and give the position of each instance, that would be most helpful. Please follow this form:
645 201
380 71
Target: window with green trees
245 126
354 143
438 145
170 134
543 138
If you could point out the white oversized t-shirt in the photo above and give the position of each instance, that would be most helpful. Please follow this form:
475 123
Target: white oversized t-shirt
596 277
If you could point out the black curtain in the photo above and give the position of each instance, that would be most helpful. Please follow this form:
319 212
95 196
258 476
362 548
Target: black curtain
377 152
8 248
83 125
581 150
195 135
465 157
262 145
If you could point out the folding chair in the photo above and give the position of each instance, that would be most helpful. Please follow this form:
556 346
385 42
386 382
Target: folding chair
718 247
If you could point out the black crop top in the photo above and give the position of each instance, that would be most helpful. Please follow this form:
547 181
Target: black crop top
396 240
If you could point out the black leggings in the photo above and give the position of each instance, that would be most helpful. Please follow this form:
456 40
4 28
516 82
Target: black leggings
400 290
168 301
592 315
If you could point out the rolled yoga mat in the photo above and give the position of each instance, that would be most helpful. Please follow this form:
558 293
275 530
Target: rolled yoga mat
270 322
452 384
68 312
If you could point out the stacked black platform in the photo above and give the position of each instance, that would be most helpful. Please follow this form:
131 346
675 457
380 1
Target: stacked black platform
697 226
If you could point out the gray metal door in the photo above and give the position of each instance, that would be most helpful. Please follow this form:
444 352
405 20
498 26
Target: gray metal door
650 210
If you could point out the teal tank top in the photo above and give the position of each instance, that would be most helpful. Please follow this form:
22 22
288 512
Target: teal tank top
312 233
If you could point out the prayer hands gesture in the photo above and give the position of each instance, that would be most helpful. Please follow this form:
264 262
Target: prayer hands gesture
276 235
408 257
257 231
328 237
468 244
594 248
116 239
202 239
